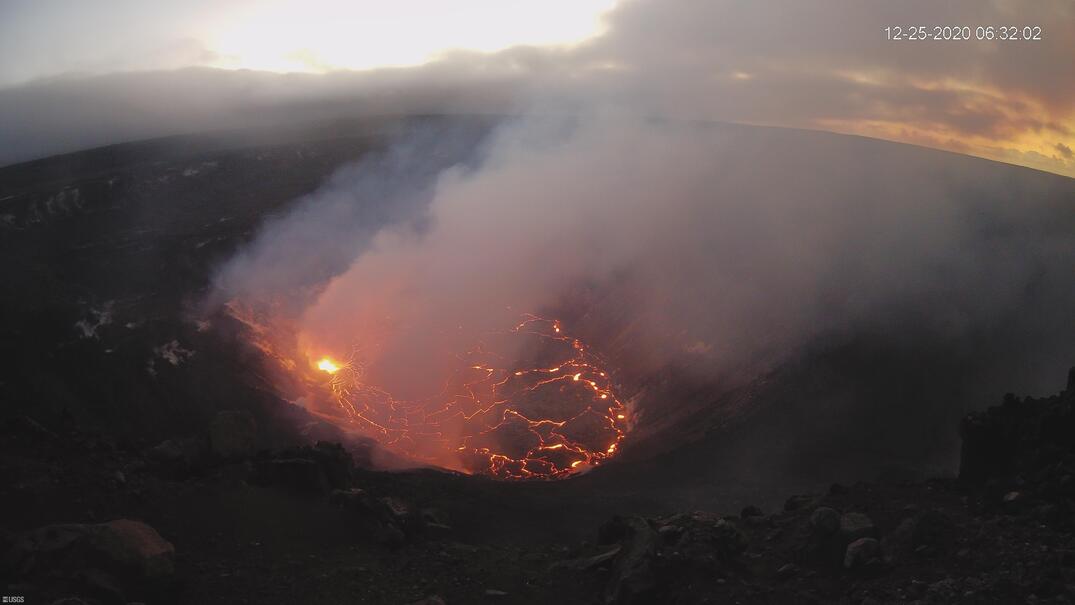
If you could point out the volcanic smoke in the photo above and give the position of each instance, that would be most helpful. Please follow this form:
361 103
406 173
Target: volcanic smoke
711 250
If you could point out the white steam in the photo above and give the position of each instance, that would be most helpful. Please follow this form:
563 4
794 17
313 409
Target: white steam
723 250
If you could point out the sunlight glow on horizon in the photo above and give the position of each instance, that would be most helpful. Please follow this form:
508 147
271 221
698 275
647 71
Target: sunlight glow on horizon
321 36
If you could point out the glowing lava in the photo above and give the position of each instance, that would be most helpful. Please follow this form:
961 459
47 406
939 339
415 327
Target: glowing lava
541 422
327 365
553 414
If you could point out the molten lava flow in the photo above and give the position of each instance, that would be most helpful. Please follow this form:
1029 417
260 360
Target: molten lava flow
547 417
543 421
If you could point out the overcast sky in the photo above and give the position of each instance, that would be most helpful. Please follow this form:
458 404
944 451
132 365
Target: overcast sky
42 38
86 73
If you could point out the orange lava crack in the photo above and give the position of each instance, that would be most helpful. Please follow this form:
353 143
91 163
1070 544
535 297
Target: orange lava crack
498 437
545 421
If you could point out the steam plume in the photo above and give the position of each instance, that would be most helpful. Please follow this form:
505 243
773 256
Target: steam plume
722 251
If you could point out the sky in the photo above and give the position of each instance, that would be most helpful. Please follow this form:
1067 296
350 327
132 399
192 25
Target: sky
76 73
45 38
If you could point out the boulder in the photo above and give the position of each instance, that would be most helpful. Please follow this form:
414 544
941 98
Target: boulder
233 434
856 525
860 552
670 534
824 521
167 452
588 563
898 545
108 560
318 468
397 509
698 535
727 539
136 545
387 520
124 545
632 578
1012 501
820 538
434 520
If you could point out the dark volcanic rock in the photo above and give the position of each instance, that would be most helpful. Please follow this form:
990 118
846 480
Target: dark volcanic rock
632 577
788 570
390 521
335 462
824 521
660 555
320 468
591 562
178 457
299 474
131 546
799 502
1018 436
860 552
751 511
899 544
934 530
233 434
856 525
108 560
703 535
167 452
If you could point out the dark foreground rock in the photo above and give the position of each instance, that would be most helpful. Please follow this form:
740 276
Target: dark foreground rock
632 579
305 524
318 468
233 434
108 561
1001 534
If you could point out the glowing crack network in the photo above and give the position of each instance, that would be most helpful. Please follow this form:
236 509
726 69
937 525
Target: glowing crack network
541 422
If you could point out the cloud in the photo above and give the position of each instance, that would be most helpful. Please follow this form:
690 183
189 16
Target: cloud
824 65
67 114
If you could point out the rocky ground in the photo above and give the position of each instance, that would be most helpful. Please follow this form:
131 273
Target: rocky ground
208 519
